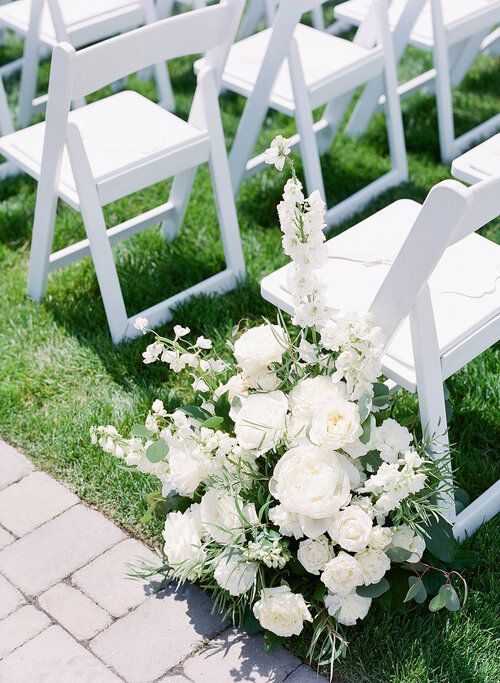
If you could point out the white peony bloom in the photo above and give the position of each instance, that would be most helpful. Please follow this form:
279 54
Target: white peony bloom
277 152
260 423
187 470
347 609
141 324
351 529
287 522
391 439
257 348
182 534
306 399
235 574
342 574
374 564
404 537
281 611
219 516
336 424
311 481
313 554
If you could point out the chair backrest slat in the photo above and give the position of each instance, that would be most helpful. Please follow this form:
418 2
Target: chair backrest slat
185 34
485 207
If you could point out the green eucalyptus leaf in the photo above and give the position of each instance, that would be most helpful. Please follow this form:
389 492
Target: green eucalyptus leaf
195 412
396 554
416 587
367 430
380 401
462 497
364 403
222 406
453 601
319 592
157 451
437 602
371 461
439 539
141 431
374 590
272 641
213 422
251 624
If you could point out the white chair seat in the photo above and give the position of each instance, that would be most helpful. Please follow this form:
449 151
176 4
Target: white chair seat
325 59
479 163
456 13
120 133
465 286
90 18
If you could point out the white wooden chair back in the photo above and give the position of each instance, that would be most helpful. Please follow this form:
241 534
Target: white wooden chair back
450 212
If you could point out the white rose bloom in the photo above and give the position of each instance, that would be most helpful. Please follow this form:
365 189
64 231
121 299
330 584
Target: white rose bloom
281 611
260 346
342 574
404 537
187 470
235 574
313 554
391 439
307 398
288 522
349 608
374 564
336 424
380 538
182 534
310 481
351 529
219 516
260 423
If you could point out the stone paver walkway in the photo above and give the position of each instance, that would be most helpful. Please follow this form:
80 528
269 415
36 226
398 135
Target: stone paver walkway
68 612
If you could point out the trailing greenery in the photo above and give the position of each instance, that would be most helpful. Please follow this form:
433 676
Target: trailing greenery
59 372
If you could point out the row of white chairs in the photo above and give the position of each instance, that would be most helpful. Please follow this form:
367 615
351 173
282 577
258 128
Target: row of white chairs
438 311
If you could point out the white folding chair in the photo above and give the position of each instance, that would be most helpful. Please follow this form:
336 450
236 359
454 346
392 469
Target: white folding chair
107 150
479 163
44 23
295 69
455 32
434 288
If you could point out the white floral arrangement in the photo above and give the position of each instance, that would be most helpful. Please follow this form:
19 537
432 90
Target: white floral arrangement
293 495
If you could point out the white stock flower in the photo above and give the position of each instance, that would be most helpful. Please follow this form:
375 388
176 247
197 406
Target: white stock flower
351 529
219 516
342 574
374 564
200 385
258 347
277 152
313 554
141 324
336 424
391 439
281 611
311 481
180 331
347 609
152 352
260 422
203 343
235 574
404 537
182 535
287 522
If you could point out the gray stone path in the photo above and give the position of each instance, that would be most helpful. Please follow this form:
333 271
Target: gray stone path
69 613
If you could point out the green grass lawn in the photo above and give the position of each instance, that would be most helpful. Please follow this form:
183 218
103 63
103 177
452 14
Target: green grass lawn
60 373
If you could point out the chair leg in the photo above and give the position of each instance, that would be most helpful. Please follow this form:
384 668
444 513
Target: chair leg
41 243
180 192
29 77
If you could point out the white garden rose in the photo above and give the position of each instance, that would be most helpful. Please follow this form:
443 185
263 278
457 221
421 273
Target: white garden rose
281 611
310 481
351 529
380 538
342 574
183 543
404 537
391 439
235 574
374 564
347 609
187 470
219 516
307 398
336 424
260 422
257 348
313 554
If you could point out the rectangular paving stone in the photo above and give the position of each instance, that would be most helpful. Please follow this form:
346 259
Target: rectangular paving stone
305 674
54 656
160 633
33 501
10 598
75 611
57 549
235 656
105 579
5 538
13 465
19 627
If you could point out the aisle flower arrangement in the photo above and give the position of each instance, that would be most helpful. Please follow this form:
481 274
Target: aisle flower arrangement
293 494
